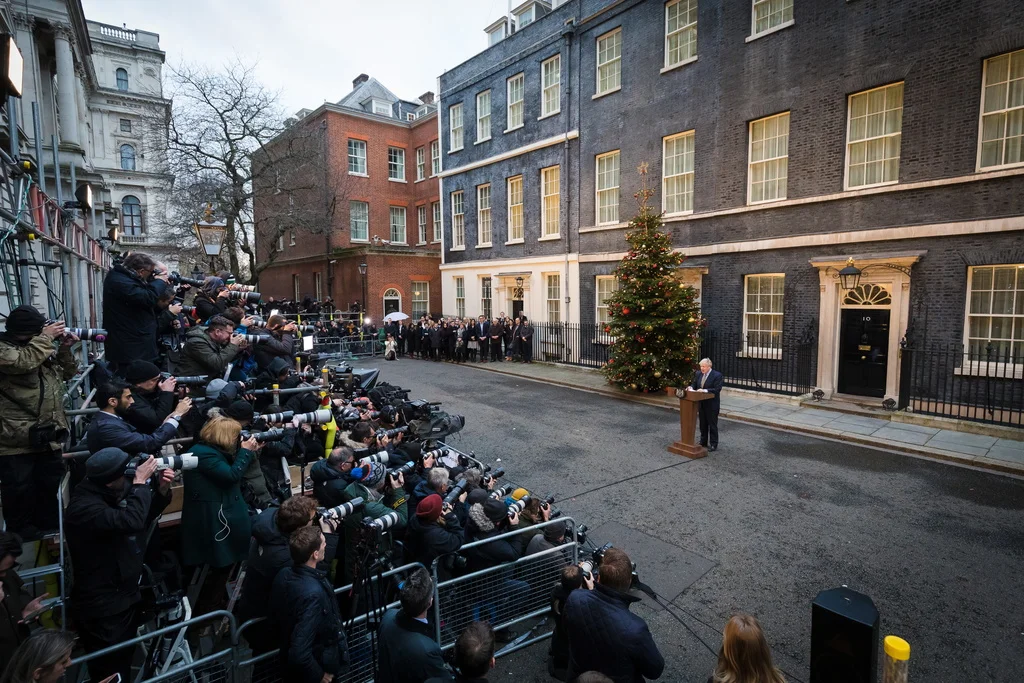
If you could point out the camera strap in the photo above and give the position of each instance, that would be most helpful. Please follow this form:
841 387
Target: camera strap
19 406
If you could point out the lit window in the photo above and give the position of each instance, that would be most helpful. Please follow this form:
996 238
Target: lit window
996 313
515 87
398 225
483 215
550 179
677 173
127 158
609 62
483 116
437 221
485 297
357 157
606 286
1002 115
458 221
396 163
421 219
554 298
551 86
769 159
435 158
771 13
680 32
515 209
455 130
608 188
420 299
421 163
460 297
392 301
762 315
873 138
122 79
359 221
131 215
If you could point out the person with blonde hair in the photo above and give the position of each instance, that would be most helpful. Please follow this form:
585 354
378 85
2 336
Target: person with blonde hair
42 658
745 656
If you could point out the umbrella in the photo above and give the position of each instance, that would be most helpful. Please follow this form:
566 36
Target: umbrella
395 317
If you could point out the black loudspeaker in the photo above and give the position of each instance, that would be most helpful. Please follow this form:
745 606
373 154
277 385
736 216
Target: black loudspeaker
844 637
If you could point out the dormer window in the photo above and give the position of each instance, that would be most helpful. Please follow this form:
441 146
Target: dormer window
381 107
526 17
497 31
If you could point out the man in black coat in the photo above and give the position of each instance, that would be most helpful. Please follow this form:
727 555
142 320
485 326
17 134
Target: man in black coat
407 651
130 294
432 532
153 398
482 331
108 428
331 475
488 520
708 381
105 527
303 606
278 342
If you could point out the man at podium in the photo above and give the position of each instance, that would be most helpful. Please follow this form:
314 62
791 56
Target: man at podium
708 381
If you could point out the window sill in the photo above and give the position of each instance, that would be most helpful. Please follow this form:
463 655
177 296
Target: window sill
766 201
353 239
848 188
359 175
509 130
396 180
485 245
773 29
549 238
453 151
1001 167
462 248
762 354
435 241
607 92
420 244
517 241
549 114
611 225
399 244
678 214
992 370
420 180
480 142
681 64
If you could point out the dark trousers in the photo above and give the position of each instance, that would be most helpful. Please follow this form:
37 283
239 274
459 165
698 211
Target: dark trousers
526 348
495 349
483 349
708 415
28 490
96 634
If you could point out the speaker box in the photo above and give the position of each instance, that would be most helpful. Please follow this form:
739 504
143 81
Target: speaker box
844 637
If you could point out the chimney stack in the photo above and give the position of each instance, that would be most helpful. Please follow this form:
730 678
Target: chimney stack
360 79
427 97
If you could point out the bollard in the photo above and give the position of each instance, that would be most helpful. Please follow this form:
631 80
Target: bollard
897 660
277 394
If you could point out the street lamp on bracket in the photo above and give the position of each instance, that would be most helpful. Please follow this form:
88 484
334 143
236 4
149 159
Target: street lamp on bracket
210 234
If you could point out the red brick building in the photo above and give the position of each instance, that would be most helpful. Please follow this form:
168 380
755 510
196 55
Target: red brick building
382 158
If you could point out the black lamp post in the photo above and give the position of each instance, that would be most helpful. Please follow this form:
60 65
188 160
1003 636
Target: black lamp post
362 272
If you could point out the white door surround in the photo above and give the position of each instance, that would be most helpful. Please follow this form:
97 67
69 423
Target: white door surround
829 318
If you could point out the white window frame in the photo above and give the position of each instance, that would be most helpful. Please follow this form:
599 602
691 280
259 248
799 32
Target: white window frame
551 87
295 288
553 283
515 109
483 118
608 190
318 286
601 315
484 224
435 209
291 239
546 217
666 176
420 297
1005 112
385 297
421 220
515 225
435 158
396 164
689 55
767 160
612 65
455 132
460 297
352 219
280 242
458 220
487 296
397 227
896 112
421 164
530 16
382 108
773 352
975 366
772 28
352 142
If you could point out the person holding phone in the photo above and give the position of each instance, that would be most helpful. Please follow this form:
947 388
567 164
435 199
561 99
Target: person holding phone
17 608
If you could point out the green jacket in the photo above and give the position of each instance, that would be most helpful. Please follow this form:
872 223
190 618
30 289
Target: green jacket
393 501
203 356
213 498
32 386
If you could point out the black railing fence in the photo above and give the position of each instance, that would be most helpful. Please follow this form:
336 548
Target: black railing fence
573 343
983 384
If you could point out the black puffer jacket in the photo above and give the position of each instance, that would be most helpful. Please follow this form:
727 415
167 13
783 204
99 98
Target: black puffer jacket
309 627
129 315
427 541
268 555
150 409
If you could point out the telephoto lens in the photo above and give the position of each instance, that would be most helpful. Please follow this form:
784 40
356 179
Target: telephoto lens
588 568
189 310
235 287
518 506
317 417
502 492
392 433
404 469
272 418
256 321
383 523
494 475
246 297
436 454
305 329
177 279
186 461
256 338
381 457
360 402
266 436
455 492
88 334
191 379
341 511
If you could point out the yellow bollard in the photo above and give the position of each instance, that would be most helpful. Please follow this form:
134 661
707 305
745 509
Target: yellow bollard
897 660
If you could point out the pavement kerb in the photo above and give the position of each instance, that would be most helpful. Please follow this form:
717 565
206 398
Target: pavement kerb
670 403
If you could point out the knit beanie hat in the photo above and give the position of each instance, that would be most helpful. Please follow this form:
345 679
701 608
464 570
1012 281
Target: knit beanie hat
519 493
25 319
495 510
554 532
106 465
141 371
373 475
239 411
429 508
477 496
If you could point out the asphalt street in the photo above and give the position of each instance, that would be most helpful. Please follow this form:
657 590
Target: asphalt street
761 526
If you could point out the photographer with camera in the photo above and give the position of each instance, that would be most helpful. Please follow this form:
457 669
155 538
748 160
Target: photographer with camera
435 482
130 294
108 428
32 376
383 494
153 397
314 648
106 529
281 342
332 475
434 531
212 299
488 520
209 350
604 636
407 651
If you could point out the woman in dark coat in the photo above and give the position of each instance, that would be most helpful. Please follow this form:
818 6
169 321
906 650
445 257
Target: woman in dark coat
212 299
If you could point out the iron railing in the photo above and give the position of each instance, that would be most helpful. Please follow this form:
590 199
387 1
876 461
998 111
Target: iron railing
776 365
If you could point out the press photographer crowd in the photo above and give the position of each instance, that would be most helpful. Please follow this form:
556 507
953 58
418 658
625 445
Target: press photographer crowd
223 463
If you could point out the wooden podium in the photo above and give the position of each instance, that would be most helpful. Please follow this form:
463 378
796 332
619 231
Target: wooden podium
688 401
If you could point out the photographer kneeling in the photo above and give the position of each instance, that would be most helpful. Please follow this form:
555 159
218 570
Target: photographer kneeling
105 526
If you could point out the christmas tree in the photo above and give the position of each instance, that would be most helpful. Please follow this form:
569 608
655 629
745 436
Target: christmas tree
654 317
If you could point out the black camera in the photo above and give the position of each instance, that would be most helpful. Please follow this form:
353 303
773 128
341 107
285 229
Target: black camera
404 469
493 476
267 436
455 491
189 310
188 379
245 297
178 279
391 433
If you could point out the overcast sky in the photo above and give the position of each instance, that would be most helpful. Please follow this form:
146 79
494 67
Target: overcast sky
310 50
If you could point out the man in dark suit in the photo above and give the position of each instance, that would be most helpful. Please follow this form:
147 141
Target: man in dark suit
482 331
708 381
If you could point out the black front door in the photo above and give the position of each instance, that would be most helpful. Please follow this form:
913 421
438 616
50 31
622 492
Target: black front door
863 351
517 308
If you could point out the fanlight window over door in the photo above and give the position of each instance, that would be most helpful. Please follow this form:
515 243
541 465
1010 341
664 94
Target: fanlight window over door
868 295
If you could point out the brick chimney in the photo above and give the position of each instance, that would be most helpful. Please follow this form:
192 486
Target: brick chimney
427 98
360 79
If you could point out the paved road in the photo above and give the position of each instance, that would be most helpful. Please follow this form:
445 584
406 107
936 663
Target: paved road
760 526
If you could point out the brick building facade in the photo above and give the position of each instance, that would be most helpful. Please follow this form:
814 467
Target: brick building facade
784 139
384 198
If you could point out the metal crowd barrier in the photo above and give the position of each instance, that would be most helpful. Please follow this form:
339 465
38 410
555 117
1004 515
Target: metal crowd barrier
355 346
